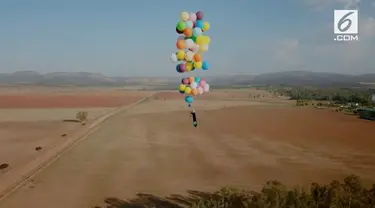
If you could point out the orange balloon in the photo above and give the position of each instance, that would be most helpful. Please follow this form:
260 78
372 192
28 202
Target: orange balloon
191 80
194 91
197 57
188 32
180 44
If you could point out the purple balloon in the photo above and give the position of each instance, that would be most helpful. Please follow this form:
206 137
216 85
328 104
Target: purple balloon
200 15
182 68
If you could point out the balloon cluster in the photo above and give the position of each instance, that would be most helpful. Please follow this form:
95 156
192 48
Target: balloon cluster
191 44
191 86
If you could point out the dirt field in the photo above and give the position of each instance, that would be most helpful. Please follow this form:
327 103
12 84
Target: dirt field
43 118
151 148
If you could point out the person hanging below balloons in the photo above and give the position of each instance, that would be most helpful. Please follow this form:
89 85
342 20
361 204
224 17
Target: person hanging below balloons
194 117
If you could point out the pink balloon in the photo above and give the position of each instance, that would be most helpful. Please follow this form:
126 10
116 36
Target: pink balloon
200 90
192 17
185 81
202 82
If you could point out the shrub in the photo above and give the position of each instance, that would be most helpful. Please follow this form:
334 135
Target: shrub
350 193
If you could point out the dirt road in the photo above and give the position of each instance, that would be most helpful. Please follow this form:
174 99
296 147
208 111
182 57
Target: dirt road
161 153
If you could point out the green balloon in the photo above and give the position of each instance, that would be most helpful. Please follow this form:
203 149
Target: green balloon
181 26
194 38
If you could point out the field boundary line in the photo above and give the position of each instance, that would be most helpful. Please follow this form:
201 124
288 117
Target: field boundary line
14 179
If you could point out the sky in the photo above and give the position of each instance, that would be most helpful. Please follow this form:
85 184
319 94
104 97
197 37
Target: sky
136 38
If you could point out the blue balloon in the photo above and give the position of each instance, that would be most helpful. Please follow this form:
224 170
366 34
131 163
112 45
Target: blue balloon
197 79
199 23
189 99
205 65
178 68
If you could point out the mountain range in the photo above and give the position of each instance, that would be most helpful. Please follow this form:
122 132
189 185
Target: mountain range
290 78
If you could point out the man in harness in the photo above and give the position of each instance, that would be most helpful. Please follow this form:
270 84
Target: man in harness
194 116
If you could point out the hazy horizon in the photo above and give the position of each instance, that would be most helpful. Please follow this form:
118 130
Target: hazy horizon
136 38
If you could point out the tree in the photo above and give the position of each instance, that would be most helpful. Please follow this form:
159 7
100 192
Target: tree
82 116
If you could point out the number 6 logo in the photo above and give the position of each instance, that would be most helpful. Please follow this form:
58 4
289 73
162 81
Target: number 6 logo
344 20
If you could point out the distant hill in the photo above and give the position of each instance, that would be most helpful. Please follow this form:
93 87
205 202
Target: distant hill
290 78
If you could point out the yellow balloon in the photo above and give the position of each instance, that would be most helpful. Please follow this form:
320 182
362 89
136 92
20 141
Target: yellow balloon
199 40
198 65
206 26
189 66
180 55
187 90
182 87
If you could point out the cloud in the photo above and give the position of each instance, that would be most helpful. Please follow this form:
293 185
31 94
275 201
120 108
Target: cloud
367 28
287 52
322 4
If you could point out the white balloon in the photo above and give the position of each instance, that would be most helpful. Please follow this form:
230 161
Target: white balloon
192 16
189 43
200 90
184 16
189 24
195 48
194 85
203 48
189 55
206 88
173 58
197 31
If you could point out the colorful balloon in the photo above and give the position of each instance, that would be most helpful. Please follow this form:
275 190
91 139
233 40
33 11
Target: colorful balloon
187 90
189 24
193 85
192 16
180 55
185 81
189 66
198 65
194 91
206 26
200 90
197 79
205 65
181 87
197 57
178 31
197 31
189 55
182 68
184 16
203 48
206 88
173 58
189 43
188 32
191 80
180 44
189 99
199 24
182 25
200 15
